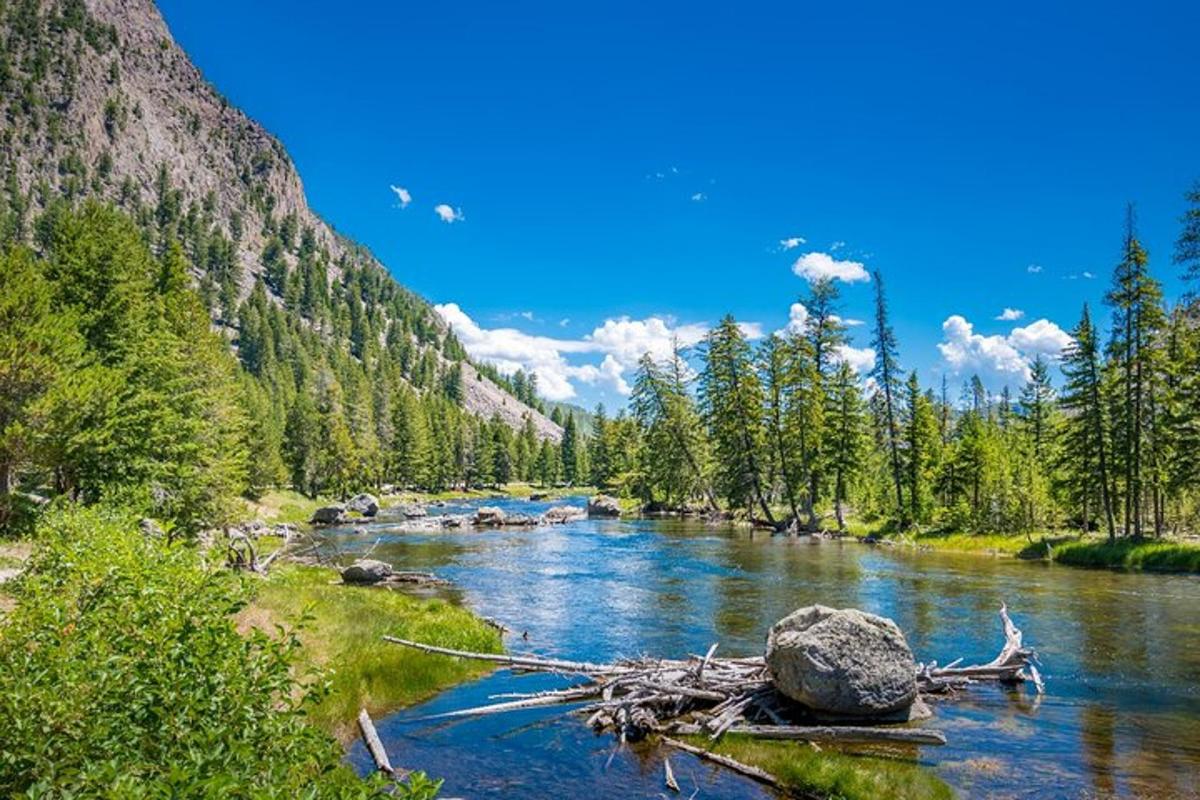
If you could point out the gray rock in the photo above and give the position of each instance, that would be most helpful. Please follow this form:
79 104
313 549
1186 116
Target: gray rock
489 515
521 520
365 504
454 520
560 514
150 528
366 570
603 506
412 511
843 661
328 515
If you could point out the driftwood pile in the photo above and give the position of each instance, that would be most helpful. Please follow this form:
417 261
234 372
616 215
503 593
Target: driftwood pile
705 695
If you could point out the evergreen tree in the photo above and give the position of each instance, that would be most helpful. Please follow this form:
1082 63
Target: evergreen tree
845 433
887 377
731 400
1086 437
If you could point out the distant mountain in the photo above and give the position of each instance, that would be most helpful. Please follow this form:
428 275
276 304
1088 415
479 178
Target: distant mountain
585 419
98 101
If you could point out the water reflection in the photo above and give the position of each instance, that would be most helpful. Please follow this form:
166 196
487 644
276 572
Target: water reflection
1121 652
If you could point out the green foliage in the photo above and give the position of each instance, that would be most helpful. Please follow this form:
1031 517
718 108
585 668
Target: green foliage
343 630
125 676
1131 554
839 776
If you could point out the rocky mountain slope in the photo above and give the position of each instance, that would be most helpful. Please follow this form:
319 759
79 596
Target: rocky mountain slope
98 100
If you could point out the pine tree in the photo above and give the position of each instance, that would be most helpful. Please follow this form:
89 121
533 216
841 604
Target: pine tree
845 432
887 377
1187 247
1085 440
731 400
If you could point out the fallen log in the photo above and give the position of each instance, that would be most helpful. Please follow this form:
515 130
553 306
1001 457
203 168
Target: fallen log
525 662
375 744
725 761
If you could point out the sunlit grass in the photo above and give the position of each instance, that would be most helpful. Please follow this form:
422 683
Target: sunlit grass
1147 554
343 637
832 774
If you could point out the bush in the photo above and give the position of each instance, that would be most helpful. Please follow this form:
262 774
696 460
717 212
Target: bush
125 676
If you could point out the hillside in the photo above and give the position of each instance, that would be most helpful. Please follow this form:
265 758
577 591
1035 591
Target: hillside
99 101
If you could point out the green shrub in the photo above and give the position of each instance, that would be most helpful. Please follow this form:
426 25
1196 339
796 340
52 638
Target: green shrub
125 676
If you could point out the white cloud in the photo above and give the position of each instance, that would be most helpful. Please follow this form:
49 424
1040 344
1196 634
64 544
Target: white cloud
1010 314
860 359
402 196
852 323
751 330
699 197
621 341
526 315
792 242
448 213
797 319
815 266
833 248
1042 338
1088 275
997 359
1034 268
564 322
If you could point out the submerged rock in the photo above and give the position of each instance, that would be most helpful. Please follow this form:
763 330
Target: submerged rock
603 506
560 514
367 570
489 515
365 504
328 515
524 520
842 661
412 511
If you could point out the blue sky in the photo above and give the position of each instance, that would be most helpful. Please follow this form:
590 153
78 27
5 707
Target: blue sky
618 172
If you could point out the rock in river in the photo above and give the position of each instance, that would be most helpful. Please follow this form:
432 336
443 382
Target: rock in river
489 515
603 506
328 515
366 570
561 514
365 504
412 511
842 661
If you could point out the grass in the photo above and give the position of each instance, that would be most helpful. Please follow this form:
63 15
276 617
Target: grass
833 774
342 637
284 505
1146 554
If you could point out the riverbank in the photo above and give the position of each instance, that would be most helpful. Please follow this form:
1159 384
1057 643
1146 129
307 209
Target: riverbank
340 635
1060 547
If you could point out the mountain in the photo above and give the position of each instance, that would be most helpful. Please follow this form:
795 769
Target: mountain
98 101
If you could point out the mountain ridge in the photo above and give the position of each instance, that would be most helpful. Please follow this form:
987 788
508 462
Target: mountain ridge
102 102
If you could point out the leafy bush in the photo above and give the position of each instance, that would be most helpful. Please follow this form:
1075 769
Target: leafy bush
125 676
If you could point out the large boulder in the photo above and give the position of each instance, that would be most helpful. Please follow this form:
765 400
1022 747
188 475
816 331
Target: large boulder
412 511
365 504
842 661
603 506
560 514
328 515
367 570
489 515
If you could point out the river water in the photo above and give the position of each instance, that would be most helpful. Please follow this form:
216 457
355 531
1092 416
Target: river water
1120 653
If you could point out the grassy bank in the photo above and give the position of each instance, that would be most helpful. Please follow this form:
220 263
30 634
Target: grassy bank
1170 555
1147 554
342 638
839 776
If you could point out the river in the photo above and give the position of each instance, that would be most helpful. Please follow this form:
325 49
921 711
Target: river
1120 652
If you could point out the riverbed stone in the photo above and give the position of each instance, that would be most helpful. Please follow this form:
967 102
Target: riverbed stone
489 515
603 506
328 515
412 511
561 514
365 504
367 570
842 661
